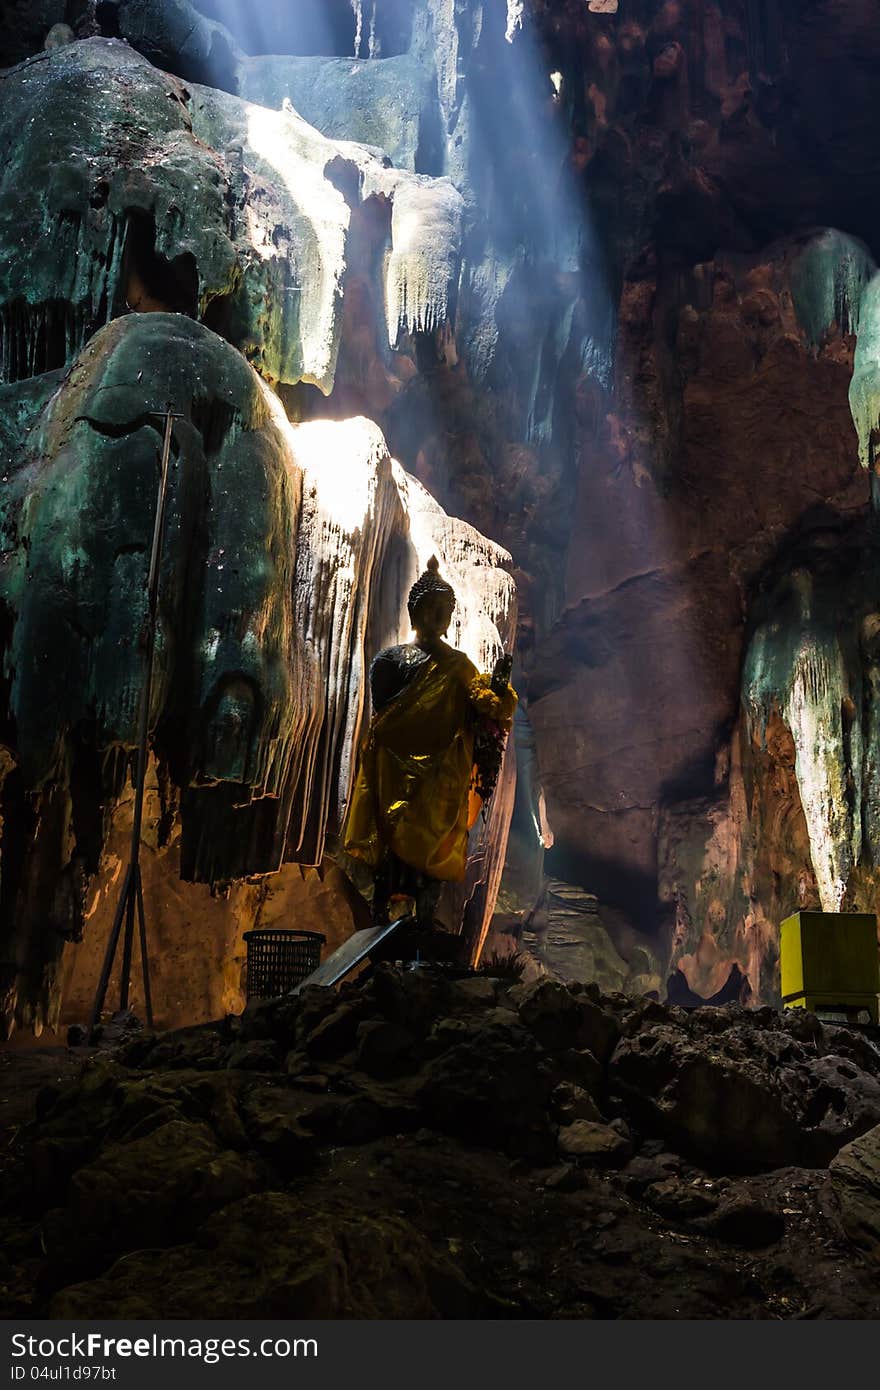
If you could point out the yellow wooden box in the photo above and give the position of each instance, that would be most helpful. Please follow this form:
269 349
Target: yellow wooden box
829 962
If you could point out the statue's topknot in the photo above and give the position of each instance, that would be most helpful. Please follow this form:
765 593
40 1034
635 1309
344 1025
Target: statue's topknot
428 583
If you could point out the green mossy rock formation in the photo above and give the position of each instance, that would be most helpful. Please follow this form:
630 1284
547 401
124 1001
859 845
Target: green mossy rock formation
130 190
102 154
283 544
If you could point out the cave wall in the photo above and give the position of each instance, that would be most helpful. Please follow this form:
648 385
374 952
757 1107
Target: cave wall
196 931
710 667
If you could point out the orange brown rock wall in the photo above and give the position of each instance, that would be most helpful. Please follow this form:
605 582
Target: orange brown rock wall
726 434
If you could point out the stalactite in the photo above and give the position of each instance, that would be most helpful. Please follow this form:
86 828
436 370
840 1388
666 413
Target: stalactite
374 48
795 666
541 399
515 14
828 281
422 269
38 338
357 8
864 391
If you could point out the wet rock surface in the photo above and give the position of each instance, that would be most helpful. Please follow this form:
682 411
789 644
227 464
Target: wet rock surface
420 1146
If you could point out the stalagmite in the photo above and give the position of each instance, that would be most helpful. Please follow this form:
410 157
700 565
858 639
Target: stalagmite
799 668
818 685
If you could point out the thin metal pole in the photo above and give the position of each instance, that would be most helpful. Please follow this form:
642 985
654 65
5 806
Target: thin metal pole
145 960
107 967
132 892
127 943
147 687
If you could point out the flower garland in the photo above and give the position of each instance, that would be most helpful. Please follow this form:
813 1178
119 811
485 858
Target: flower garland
494 713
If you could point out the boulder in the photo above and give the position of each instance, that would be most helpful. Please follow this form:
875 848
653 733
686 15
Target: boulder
588 1142
256 1055
649 1169
477 992
566 1177
385 1049
598 1030
411 998
52 1164
280 1124
855 1179
551 1012
201 1048
152 1191
273 1256
215 1097
571 1102
85 1109
584 1069
336 1033
680 1200
754 1097
490 1088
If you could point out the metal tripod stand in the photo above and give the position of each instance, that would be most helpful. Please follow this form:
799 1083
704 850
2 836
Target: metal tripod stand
131 899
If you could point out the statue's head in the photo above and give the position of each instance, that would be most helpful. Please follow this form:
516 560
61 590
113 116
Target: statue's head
431 602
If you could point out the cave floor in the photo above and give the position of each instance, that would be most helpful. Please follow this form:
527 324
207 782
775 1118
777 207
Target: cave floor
24 1071
597 1253
590 1254
600 1251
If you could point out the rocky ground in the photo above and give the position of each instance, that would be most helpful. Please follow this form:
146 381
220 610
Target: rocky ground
426 1146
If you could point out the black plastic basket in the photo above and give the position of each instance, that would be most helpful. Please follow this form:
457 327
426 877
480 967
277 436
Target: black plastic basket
278 959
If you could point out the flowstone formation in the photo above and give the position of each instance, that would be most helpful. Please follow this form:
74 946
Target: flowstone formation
140 194
191 250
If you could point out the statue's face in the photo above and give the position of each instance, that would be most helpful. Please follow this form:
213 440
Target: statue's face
433 616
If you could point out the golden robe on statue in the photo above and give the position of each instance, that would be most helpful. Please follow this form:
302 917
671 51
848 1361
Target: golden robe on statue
414 788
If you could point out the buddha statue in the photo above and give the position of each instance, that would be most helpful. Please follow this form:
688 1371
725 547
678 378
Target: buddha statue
430 759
